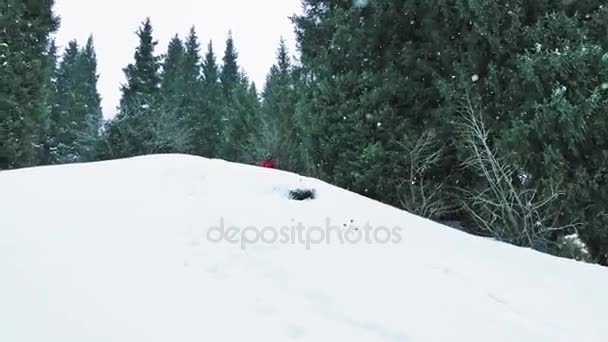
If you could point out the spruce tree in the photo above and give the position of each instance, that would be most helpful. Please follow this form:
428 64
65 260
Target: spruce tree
76 117
253 91
92 118
24 64
48 128
211 71
132 131
194 102
213 101
230 70
143 79
172 83
239 111
368 91
241 122
192 59
276 132
68 108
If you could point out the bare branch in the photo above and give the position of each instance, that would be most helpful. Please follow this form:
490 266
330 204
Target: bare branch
501 209
418 193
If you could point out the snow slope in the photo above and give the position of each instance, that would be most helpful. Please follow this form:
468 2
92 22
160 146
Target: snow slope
118 251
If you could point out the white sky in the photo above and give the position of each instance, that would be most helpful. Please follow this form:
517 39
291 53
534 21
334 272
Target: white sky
256 27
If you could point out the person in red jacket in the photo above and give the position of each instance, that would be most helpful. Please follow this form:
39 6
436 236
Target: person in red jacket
268 162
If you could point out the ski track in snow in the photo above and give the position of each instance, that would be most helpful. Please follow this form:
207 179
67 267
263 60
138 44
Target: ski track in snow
117 251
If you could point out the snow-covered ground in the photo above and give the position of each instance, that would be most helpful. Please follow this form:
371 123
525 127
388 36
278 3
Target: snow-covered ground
120 251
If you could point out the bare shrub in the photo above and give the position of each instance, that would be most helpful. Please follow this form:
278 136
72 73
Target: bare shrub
418 193
501 208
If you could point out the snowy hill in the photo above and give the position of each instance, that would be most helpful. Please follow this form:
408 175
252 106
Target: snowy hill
122 251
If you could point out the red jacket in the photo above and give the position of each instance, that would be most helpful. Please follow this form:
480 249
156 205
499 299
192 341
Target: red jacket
269 163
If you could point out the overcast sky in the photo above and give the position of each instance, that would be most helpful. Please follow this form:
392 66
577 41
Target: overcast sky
256 27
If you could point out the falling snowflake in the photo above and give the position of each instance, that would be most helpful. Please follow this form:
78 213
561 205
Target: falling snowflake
524 178
561 90
475 78
360 3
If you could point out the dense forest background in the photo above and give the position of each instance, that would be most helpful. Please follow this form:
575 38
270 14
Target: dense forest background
490 113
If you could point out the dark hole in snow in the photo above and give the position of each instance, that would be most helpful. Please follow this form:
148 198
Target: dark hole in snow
302 194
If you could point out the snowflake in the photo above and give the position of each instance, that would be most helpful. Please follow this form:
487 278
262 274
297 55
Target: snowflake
524 178
559 90
360 3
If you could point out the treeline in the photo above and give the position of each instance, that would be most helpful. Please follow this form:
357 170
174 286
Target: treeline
185 101
487 112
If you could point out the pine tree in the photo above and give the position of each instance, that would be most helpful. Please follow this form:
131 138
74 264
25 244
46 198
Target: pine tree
92 118
210 68
143 79
276 132
240 125
368 91
194 101
47 128
253 91
283 60
240 109
67 108
76 117
24 65
230 70
192 59
132 131
213 101
172 83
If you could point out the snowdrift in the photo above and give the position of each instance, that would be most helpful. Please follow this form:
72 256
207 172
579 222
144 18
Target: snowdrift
132 250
